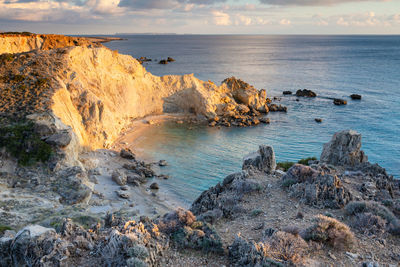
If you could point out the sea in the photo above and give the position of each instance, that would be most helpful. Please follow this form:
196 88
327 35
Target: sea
332 66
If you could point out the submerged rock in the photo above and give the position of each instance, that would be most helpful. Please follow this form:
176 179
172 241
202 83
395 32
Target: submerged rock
344 149
262 160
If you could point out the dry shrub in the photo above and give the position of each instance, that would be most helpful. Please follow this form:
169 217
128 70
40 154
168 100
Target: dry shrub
285 246
175 220
368 223
330 231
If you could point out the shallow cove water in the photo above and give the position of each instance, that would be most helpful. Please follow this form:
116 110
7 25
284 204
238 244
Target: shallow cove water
332 66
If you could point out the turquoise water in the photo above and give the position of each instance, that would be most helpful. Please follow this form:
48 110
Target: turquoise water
332 66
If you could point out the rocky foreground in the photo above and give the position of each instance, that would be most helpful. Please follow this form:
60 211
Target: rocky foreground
339 211
62 203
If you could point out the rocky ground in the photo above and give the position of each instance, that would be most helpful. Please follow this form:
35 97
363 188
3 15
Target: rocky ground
341 210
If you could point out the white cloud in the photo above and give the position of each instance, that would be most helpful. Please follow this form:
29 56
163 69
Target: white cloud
221 18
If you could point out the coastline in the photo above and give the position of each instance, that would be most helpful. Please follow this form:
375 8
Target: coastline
106 206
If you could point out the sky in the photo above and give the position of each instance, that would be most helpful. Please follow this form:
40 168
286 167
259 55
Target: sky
201 16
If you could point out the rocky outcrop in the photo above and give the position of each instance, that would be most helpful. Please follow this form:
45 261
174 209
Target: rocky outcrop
98 92
262 160
344 149
19 43
246 94
314 187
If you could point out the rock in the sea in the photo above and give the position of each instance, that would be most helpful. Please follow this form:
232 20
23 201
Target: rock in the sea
355 97
277 108
154 186
339 102
344 149
170 59
263 160
61 139
306 93
163 61
162 163
246 94
319 120
287 92
119 177
127 154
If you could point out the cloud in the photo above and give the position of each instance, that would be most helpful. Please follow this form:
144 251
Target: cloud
221 18
149 4
312 2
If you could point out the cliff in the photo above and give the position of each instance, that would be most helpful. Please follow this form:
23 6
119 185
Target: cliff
19 42
98 92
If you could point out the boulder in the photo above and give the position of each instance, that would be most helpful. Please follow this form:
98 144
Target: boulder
339 102
70 185
287 92
119 177
263 160
154 186
355 97
344 149
162 163
60 139
306 93
127 154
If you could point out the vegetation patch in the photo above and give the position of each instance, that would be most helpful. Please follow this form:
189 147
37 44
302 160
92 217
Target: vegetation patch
285 165
24 144
306 160
6 58
4 228
331 232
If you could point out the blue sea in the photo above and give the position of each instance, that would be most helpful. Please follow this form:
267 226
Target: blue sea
332 66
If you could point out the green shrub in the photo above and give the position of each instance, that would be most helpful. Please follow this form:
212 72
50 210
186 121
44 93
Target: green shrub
24 144
4 228
356 207
285 165
306 160
288 183
255 213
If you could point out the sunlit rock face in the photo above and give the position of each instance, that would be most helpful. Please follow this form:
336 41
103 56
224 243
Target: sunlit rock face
19 43
98 92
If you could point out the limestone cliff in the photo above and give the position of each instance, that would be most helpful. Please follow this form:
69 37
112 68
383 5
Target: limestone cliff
98 92
18 43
